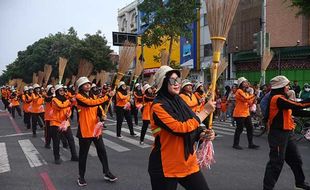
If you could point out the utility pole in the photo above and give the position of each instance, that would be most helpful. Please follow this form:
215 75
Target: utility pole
263 73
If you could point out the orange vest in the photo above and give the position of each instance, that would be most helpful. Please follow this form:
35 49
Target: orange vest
191 101
27 101
37 104
61 112
14 101
122 100
88 115
243 99
202 104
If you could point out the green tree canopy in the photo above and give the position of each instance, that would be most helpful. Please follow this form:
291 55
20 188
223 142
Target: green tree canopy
47 50
303 5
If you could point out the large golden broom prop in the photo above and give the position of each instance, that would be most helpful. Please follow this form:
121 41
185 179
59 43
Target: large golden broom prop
126 56
220 16
61 68
47 73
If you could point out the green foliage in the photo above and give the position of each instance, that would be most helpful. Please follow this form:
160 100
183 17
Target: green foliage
303 5
168 20
47 50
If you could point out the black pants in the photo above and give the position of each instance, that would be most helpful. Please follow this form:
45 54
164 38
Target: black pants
195 181
101 152
134 112
241 123
47 134
282 148
67 138
144 129
37 119
27 119
77 114
120 114
17 108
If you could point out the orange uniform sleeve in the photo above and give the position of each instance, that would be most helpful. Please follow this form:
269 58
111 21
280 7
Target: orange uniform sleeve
59 104
91 102
163 118
121 96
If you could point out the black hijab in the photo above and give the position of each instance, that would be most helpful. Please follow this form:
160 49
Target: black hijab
180 111
60 97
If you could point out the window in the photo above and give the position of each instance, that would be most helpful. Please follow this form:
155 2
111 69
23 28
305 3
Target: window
207 50
205 19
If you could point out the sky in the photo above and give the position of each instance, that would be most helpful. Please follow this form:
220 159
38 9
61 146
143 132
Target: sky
23 22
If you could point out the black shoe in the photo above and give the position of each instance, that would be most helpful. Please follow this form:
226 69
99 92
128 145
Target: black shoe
110 177
81 182
134 135
47 146
253 146
57 161
74 158
304 185
237 147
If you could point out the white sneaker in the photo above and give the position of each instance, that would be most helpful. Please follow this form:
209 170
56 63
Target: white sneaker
120 137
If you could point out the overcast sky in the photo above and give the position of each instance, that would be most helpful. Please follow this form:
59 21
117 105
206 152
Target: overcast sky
22 22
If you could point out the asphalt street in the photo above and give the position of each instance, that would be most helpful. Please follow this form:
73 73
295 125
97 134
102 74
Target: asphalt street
26 165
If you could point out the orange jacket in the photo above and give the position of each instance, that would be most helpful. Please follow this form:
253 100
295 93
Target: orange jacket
49 111
147 103
138 99
27 101
224 106
201 104
14 101
191 101
71 96
243 100
37 104
168 150
122 100
4 93
87 109
61 111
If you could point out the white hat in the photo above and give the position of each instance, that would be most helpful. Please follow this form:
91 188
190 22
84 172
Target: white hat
161 74
26 88
241 80
279 82
81 81
58 86
120 84
48 87
36 86
185 83
137 84
197 85
30 88
65 87
93 85
146 86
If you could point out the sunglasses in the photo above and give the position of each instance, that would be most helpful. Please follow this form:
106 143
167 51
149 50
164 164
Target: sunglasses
175 81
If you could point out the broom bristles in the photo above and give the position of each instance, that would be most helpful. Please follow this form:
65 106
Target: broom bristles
221 67
67 81
138 70
267 57
73 78
53 81
34 78
126 56
18 83
40 77
47 73
185 72
164 57
91 78
61 67
85 68
98 77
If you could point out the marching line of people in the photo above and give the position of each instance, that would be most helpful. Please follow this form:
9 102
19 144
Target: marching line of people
175 111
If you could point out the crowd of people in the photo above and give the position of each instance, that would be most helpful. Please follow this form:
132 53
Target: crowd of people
175 110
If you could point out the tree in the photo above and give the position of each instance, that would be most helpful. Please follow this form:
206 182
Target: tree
47 50
167 20
303 5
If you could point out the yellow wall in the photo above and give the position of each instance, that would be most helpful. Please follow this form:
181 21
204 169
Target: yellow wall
150 52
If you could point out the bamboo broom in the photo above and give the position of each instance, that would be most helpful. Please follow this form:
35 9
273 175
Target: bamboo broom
126 56
18 83
73 78
267 57
67 81
47 73
220 16
185 72
91 78
40 77
62 63
98 77
221 68
53 81
138 71
85 68
34 78
164 57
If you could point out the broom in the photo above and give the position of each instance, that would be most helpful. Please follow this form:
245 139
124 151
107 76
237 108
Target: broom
53 81
85 68
164 57
47 73
267 57
34 78
67 82
18 83
126 56
137 72
185 72
62 63
98 77
221 68
73 78
40 77
220 16
91 78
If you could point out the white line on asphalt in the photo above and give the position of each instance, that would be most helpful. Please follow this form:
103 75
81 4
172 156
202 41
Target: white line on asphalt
92 150
114 146
151 138
4 160
63 157
33 156
126 139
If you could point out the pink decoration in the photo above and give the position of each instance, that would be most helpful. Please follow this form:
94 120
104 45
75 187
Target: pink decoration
98 129
64 125
205 154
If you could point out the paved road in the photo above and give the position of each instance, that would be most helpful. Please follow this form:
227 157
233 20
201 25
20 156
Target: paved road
25 163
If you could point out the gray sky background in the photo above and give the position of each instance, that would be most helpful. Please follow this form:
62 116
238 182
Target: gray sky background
22 22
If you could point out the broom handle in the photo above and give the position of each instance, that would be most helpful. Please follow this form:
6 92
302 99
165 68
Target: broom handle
216 59
110 101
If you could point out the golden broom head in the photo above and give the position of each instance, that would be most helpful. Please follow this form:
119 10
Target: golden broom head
164 57
185 72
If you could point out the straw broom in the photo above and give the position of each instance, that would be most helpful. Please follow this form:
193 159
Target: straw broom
73 78
221 68
91 78
18 83
97 78
40 77
267 57
62 63
164 57
67 82
34 78
185 72
47 73
220 16
126 56
138 71
85 68
53 81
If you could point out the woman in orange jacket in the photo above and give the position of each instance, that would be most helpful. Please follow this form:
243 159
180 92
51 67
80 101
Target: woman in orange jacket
123 109
175 128
188 96
242 114
60 124
88 118
50 93
37 109
14 102
27 99
148 98
138 101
